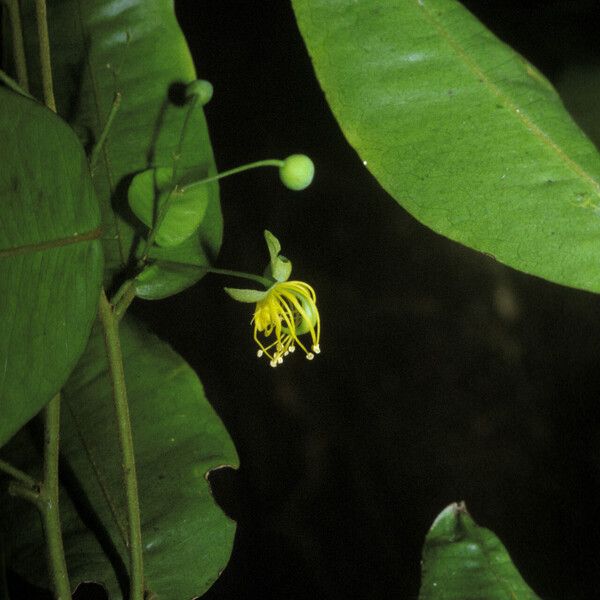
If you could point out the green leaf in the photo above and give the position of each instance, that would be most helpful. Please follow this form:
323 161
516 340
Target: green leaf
147 194
178 439
462 561
135 47
50 257
161 280
461 131
249 296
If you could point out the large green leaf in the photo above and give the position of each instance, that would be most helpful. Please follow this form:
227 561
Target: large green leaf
135 47
178 439
461 131
462 561
50 257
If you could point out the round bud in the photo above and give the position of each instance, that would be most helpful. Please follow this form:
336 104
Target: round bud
297 172
201 88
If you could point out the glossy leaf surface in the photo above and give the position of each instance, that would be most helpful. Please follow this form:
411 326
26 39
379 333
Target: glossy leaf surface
148 193
136 47
178 438
461 131
50 257
462 561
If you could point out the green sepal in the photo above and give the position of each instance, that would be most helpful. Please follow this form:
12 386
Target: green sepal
149 191
273 245
249 296
280 267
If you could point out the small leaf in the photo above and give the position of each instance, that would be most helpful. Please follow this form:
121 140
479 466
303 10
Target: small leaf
462 561
163 279
249 296
147 194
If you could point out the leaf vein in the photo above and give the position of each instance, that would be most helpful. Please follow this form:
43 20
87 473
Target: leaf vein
77 238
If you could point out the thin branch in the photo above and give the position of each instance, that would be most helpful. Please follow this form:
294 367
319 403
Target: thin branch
57 566
18 475
41 14
117 375
18 47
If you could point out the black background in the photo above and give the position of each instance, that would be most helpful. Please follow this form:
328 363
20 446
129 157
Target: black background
444 376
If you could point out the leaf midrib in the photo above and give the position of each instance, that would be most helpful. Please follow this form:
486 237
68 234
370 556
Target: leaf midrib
77 238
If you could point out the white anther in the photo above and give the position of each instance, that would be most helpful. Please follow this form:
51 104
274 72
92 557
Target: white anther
292 349
310 356
273 363
259 353
316 349
286 352
280 359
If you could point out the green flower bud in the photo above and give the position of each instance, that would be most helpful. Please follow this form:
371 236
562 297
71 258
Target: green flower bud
201 88
297 172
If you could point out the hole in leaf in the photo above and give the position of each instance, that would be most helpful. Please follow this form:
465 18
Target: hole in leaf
90 590
225 488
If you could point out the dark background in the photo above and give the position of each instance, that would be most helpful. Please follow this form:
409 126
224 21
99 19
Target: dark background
444 376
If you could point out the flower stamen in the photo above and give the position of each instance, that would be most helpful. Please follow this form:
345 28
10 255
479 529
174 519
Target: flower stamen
288 310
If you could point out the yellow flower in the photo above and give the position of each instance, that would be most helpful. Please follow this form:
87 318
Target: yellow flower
288 310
